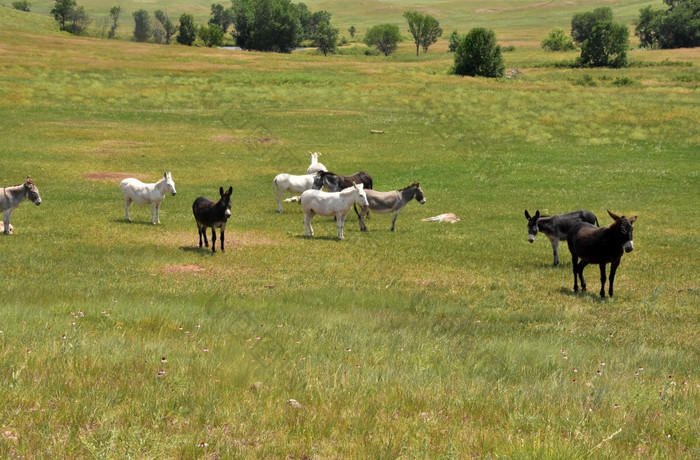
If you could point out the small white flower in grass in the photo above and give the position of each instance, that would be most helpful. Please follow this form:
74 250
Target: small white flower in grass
599 372
348 349
602 363
163 359
640 368
400 348
203 444
63 336
294 403
616 406
206 350
257 337
565 357
29 350
198 326
161 373
280 325
574 370
668 435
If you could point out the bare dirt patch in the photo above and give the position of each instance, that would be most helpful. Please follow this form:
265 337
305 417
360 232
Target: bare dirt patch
111 176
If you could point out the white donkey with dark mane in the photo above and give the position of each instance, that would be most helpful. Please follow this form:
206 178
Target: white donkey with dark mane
136 191
12 196
336 204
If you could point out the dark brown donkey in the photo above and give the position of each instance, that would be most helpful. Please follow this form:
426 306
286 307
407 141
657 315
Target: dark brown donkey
600 246
212 214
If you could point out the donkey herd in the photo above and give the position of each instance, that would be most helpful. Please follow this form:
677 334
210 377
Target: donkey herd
588 243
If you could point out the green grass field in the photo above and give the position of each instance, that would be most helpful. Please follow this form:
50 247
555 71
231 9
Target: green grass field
125 340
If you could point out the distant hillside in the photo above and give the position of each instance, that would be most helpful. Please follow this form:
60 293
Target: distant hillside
514 19
12 19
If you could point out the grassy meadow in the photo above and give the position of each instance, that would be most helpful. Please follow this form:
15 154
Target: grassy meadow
125 340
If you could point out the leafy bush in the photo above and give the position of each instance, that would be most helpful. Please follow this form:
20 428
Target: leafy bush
22 5
687 78
585 80
211 35
478 54
624 80
384 37
557 40
454 41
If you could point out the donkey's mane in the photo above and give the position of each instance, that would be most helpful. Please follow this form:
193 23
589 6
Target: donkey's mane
415 184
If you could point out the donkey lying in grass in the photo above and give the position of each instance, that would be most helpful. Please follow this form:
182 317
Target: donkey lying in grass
386 202
557 227
600 246
136 191
11 197
336 204
208 213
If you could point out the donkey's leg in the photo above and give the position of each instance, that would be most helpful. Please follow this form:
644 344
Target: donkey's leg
127 203
6 220
203 232
340 219
279 195
613 268
574 262
602 280
581 266
213 239
393 221
158 211
555 250
308 229
223 230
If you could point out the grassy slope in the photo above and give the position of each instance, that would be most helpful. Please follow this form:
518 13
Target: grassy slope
512 19
439 340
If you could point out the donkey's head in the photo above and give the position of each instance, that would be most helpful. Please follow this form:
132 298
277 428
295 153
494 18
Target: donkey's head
362 201
169 183
532 228
225 201
32 191
623 228
420 196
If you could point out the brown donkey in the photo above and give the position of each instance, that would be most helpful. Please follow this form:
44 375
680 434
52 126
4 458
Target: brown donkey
600 246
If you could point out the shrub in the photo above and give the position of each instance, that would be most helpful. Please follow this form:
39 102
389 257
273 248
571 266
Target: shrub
267 25
624 80
454 41
582 24
557 40
478 54
187 31
585 80
211 35
22 5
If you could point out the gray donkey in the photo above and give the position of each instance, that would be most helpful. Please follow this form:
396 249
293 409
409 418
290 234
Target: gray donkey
11 197
556 227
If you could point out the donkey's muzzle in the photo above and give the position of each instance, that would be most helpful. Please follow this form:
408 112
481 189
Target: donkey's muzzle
531 238
174 193
629 246
38 202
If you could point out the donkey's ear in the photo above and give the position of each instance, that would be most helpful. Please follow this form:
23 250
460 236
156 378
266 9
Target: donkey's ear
614 216
527 215
632 220
230 191
537 214
165 174
221 191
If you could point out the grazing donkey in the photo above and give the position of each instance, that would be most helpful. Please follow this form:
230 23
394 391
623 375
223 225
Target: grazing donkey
336 182
600 246
12 196
208 213
315 165
136 191
386 202
336 204
556 227
290 183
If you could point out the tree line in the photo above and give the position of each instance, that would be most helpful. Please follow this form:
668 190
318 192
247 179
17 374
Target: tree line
281 26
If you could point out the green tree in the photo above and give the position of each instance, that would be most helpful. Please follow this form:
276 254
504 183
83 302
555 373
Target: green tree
454 39
78 21
211 35
352 31
22 5
326 38
187 30
385 37
582 23
677 27
169 28
114 13
478 54
267 25
557 40
222 17
606 46
142 25
62 10
424 28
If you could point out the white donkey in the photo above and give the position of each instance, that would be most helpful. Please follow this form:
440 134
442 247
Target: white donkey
336 204
11 197
290 183
153 194
315 166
